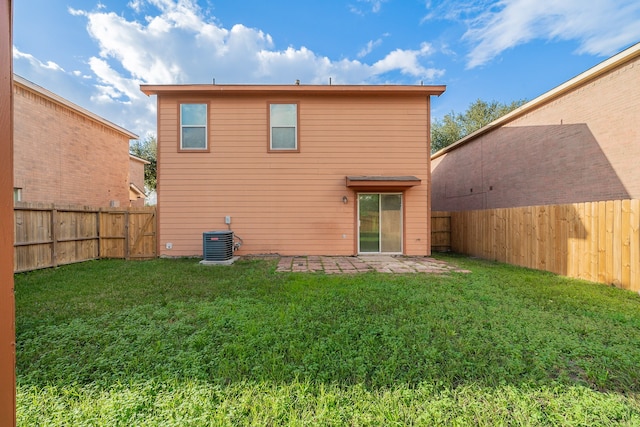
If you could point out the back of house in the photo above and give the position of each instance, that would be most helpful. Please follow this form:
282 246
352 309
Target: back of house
294 169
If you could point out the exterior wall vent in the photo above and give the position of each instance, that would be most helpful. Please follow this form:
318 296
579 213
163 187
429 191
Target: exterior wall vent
217 245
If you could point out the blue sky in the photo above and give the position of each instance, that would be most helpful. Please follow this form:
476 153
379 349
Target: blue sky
97 53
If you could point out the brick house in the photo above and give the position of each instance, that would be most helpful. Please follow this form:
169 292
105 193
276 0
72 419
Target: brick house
64 154
136 181
295 169
579 142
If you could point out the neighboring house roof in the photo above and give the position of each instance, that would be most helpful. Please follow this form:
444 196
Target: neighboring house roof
137 190
214 89
580 80
138 159
61 101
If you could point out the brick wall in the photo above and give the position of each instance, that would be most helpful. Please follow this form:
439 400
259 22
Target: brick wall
136 177
583 146
63 156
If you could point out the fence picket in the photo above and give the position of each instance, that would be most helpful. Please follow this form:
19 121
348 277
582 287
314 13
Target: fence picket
597 241
625 238
52 235
634 245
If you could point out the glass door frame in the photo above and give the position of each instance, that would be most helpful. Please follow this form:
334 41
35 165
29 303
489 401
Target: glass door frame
401 225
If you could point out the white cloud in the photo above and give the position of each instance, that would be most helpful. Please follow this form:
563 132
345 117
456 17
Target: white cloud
174 42
601 27
179 45
375 5
113 84
49 65
135 5
407 61
369 47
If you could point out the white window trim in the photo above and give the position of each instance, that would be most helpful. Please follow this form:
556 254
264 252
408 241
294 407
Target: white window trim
206 127
296 148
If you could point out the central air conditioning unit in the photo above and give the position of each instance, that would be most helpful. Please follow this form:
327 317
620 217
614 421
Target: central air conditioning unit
217 245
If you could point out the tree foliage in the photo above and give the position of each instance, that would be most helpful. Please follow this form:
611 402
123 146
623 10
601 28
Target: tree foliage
454 126
147 149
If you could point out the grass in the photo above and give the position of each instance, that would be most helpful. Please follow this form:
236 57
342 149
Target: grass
174 343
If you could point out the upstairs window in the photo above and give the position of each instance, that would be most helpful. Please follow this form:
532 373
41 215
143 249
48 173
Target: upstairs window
193 127
283 127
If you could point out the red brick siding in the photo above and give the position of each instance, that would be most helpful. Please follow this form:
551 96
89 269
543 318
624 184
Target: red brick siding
583 146
64 157
136 177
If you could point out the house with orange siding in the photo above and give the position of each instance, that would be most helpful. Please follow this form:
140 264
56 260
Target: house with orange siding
294 169
64 154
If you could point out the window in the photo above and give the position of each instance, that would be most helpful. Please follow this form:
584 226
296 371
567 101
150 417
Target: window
17 194
283 127
193 126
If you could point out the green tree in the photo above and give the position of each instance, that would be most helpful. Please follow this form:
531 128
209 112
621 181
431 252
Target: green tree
454 127
147 149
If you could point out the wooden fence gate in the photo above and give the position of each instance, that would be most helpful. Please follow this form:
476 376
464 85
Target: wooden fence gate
129 234
440 231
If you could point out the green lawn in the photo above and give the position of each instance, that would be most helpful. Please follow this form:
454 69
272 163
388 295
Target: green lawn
175 343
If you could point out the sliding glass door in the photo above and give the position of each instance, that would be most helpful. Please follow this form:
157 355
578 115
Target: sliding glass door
380 223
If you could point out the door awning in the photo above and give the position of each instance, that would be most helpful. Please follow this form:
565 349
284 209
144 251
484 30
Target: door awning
382 183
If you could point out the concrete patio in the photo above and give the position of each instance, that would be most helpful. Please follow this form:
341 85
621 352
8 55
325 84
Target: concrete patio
365 263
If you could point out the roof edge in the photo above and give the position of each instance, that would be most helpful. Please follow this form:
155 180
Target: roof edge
295 88
581 79
137 190
139 159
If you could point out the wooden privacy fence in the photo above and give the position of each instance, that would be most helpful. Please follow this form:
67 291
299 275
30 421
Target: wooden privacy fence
441 231
51 235
596 241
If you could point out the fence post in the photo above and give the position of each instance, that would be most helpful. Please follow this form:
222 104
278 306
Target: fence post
54 236
98 219
126 235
